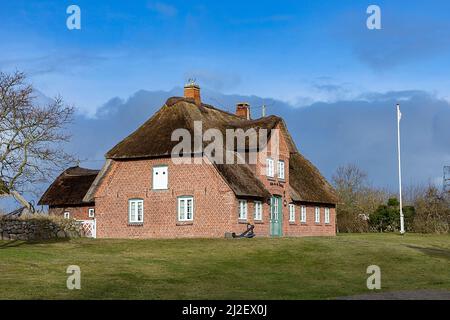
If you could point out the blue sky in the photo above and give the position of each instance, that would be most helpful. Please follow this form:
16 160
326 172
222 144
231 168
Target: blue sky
296 51
333 80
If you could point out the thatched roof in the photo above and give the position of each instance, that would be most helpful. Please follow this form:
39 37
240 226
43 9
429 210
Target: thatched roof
153 139
243 181
69 188
307 184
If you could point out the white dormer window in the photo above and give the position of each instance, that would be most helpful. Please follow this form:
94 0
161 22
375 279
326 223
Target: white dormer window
160 178
280 169
269 167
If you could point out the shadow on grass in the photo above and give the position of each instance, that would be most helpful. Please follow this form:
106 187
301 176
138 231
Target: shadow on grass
434 252
18 243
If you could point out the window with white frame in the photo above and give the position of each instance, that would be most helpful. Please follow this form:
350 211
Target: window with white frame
269 167
317 215
160 178
243 209
281 169
303 214
66 215
327 215
291 212
185 208
91 212
135 210
258 210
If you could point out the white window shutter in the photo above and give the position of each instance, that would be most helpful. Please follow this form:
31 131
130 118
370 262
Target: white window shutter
160 178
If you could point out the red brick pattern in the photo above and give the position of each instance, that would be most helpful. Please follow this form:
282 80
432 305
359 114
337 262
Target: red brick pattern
214 201
77 213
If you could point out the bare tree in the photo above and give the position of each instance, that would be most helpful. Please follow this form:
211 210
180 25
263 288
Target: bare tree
357 198
31 135
432 211
348 181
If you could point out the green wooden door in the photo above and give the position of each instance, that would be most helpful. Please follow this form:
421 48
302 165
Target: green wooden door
276 217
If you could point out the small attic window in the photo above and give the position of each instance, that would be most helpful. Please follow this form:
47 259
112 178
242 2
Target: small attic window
160 178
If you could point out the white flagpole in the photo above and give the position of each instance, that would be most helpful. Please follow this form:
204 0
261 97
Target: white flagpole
402 222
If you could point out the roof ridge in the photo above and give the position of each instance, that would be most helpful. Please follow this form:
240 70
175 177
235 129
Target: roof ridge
84 171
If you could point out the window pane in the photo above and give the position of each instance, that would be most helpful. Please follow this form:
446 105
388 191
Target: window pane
258 209
189 209
132 211
242 209
140 212
245 209
281 169
269 167
181 213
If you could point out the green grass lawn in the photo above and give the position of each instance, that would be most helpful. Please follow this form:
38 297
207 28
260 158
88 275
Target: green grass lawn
285 268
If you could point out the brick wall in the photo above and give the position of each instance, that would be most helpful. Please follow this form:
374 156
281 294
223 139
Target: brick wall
310 227
214 201
77 213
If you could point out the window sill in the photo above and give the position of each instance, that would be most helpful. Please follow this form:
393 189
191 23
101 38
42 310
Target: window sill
185 223
159 190
292 223
270 178
303 223
243 221
258 222
135 224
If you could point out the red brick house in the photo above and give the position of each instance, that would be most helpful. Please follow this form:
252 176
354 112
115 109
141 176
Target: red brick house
142 193
65 195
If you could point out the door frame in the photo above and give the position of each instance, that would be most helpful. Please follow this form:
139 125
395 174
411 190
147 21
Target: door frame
276 227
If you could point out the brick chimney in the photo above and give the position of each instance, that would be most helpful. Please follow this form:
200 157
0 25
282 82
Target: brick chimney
243 110
192 90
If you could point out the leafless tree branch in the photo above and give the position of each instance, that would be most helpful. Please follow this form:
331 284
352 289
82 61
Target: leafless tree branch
31 135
